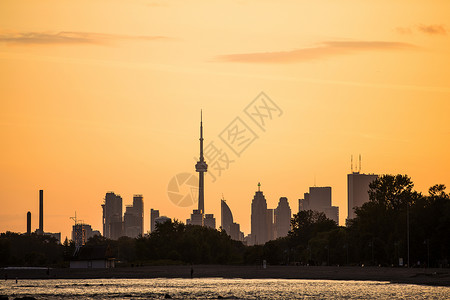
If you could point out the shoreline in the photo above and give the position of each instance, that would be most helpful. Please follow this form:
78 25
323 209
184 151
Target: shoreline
419 276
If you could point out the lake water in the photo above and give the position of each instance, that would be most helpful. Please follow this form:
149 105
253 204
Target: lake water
214 288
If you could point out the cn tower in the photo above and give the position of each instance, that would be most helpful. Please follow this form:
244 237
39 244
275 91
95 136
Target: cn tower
201 167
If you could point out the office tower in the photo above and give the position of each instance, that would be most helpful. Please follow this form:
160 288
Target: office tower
197 218
41 212
226 216
319 199
112 216
358 190
270 224
154 213
133 217
28 222
209 221
259 217
231 228
282 218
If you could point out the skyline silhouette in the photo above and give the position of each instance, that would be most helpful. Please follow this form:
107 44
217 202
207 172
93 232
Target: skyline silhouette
89 105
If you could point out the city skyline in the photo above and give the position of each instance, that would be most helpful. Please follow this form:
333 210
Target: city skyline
91 105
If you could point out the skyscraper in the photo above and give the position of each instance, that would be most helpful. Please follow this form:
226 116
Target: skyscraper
226 216
259 218
319 199
112 216
358 190
154 213
282 218
133 217
231 228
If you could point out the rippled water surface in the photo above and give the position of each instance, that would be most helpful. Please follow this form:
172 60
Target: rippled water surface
217 288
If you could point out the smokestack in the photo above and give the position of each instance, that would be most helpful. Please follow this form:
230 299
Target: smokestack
28 222
41 211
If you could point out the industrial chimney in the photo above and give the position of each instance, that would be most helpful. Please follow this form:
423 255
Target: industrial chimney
28 222
41 211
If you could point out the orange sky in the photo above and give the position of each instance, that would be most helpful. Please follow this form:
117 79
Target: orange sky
105 95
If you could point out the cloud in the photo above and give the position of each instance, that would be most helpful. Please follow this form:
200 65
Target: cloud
67 37
321 51
432 29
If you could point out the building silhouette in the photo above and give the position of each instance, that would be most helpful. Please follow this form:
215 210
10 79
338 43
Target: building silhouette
282 216
319 199
358 191
112 216
154 213
198 215
162 220
81 233
259 219
231 228
133 219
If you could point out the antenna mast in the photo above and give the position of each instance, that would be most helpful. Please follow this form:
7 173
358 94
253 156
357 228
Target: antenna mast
360 163
351 163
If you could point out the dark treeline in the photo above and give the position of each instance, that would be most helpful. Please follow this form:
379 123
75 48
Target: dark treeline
377 236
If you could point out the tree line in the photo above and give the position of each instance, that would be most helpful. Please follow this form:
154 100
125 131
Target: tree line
398 225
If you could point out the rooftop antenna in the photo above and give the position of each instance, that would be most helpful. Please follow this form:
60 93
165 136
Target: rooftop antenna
259 186
360 163
74 218
351 163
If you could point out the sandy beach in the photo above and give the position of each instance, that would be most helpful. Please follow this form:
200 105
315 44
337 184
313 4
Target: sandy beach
438 277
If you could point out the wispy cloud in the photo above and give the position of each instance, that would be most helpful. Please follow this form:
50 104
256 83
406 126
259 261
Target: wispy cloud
67 37
321 51
422 28
432 29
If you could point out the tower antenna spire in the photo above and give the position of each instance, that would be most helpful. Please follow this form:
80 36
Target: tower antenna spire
259 186
351 163
201 167
360 163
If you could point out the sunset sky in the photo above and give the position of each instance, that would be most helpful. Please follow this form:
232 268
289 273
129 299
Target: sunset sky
105 95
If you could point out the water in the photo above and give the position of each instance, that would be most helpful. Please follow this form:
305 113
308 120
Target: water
214 288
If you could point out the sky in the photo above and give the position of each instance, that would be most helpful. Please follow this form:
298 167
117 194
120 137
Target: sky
105 95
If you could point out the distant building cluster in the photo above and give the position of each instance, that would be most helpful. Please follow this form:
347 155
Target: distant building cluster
115 225
268 224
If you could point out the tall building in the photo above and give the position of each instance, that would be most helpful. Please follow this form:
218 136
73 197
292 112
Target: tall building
259 219
231 228
154 213
358 190
112 216
209 221
319 199
81 233
282 218
133 218
198 215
